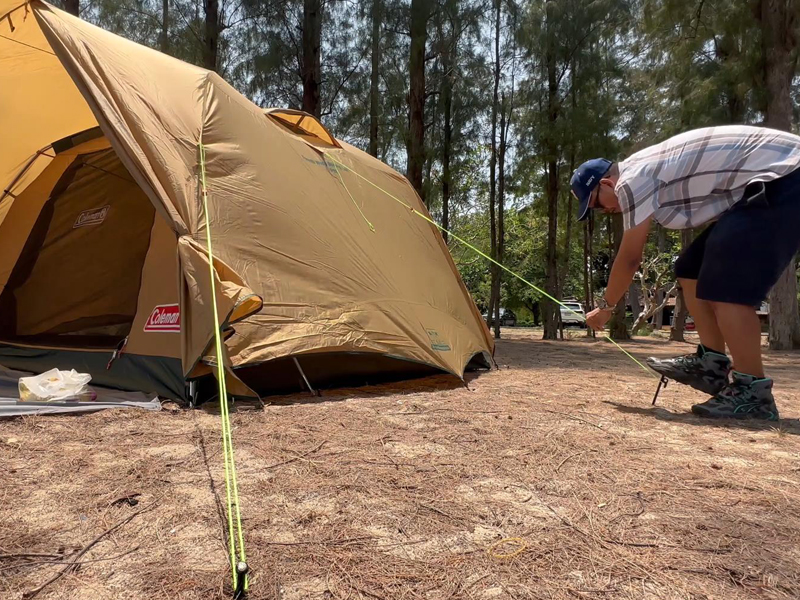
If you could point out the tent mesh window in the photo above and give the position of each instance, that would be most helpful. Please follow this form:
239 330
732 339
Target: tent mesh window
77 280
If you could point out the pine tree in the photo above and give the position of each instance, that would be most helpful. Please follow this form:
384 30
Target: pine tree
312 68
777 18
420 15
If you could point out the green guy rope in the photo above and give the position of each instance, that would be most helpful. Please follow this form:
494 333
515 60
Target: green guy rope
238 570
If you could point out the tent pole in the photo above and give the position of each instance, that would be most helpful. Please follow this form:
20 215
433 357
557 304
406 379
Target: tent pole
192 393
308 385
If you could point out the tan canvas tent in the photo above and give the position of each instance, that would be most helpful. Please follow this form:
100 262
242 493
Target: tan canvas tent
103 256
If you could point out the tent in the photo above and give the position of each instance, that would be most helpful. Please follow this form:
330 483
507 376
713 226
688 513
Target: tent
108 152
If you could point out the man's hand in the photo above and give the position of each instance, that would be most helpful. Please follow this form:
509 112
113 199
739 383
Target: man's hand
598 318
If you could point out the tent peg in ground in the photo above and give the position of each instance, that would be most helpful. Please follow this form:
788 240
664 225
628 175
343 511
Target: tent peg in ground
240 593
661 383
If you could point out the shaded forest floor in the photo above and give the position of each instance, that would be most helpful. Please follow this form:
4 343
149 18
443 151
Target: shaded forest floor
403 491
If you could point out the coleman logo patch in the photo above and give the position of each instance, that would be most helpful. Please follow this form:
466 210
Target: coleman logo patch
165 318
94 216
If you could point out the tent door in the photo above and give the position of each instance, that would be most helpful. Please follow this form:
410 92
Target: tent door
77 280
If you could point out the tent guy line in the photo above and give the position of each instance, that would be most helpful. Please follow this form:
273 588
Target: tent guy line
238 570
471 247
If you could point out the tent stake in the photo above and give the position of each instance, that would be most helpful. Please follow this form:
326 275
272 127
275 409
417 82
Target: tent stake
308 385
240 593
662 383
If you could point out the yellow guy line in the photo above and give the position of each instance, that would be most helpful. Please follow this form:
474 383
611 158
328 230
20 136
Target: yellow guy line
231 485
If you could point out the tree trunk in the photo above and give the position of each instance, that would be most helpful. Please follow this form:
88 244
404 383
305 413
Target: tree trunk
679 319
420 13
681 312
618 330
649 309
211 42
562 285
783 312
501 180
501 193
661 245
447 175
777 31
73 7
635 292
163 42
588 292
551 312
562 280
374 98
312 66
495 271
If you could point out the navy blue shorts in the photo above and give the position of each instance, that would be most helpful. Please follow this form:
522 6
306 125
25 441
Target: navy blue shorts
740 257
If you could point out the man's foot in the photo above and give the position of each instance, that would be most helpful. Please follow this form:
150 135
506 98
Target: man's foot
704 370
745 397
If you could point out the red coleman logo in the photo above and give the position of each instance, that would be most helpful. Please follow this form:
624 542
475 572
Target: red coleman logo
94 216
165 318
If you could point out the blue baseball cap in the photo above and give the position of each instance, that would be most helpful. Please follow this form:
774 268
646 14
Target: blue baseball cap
585 179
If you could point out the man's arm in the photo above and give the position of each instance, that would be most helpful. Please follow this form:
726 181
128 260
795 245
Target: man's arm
627 261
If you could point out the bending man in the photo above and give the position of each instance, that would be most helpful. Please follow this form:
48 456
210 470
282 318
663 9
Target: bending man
745 183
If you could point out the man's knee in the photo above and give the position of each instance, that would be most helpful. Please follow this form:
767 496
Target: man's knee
731 307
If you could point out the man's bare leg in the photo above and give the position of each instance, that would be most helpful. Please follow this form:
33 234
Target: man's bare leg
705 318
742 331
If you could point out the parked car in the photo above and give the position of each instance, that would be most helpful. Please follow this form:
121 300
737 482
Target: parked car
572 314
507 318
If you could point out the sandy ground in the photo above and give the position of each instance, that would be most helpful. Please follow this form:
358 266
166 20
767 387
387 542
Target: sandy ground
407 490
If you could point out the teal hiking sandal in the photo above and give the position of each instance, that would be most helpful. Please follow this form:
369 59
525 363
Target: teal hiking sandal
745 397
703 370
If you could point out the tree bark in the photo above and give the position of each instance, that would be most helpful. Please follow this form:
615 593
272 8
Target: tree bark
649 309
562 280
661 245
588 292
618 330
495 271
676 333
778 39
420 13
312 65
635 292
550 312
501 194
681 312
562 285
449 47
447 175
374 97
211 41
164 35
73 7
573 149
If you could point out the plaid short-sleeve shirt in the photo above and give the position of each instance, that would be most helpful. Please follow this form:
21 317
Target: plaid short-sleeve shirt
694 177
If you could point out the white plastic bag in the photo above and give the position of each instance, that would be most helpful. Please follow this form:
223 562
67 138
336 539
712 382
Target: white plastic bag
55 385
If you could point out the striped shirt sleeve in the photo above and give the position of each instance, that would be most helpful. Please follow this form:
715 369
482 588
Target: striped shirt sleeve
638 199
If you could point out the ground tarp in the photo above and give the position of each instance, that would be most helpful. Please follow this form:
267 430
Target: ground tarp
10 405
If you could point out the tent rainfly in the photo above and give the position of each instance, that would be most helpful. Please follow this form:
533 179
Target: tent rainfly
103 255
